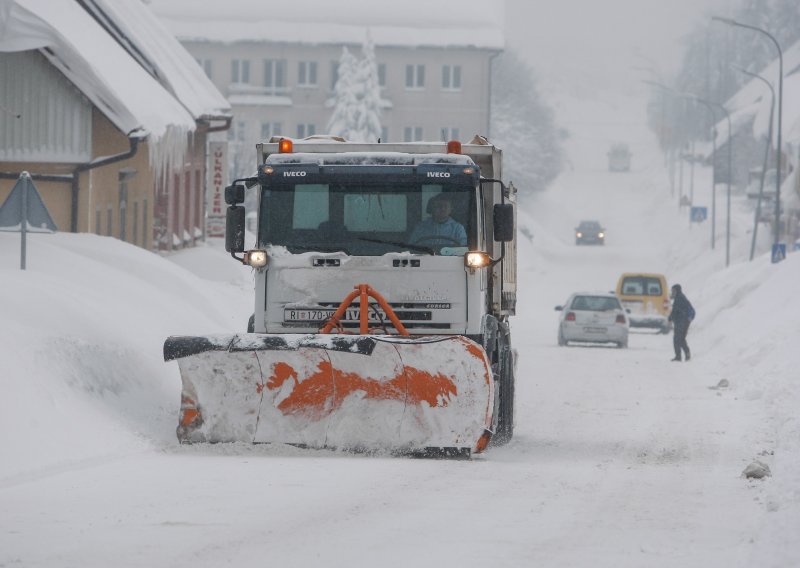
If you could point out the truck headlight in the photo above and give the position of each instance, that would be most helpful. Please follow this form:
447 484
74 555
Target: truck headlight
601 235
256 258
477 259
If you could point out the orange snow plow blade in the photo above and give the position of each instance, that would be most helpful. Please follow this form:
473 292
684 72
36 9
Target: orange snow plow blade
360 392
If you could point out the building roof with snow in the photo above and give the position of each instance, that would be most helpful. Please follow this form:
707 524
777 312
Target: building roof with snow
753 100
121 58
447 23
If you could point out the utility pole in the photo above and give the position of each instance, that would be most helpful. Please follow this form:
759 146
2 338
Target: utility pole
766 157
779 149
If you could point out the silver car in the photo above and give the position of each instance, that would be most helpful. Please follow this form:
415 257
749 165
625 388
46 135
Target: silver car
593 317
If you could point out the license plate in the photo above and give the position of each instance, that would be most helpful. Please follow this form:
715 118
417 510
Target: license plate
595 330
321 315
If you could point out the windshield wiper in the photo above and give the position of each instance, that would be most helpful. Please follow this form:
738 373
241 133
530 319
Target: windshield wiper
320 248
398 244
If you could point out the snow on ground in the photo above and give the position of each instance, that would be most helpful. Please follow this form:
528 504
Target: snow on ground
621 458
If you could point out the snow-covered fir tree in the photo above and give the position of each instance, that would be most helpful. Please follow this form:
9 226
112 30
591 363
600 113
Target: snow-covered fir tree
356 106
523 125
369 111
343 122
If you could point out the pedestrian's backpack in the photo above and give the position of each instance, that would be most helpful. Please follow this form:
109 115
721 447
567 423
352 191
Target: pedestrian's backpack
690 312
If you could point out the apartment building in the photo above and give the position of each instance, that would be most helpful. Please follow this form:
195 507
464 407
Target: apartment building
278 67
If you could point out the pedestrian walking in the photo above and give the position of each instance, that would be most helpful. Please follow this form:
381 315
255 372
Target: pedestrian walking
681 316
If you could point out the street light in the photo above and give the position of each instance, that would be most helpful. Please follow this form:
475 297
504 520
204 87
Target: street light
766 156
731 22
730 176
710 107
693 97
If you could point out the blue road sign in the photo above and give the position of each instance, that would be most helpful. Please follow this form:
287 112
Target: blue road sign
698 214
778 252
24 203
24 211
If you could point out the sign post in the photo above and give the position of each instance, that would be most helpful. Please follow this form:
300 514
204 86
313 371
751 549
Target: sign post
24 208
215 193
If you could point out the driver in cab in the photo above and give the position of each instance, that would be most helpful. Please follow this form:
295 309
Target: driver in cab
440 228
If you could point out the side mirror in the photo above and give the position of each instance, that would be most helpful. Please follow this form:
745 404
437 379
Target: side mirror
503 222
559 308
234 229
234 194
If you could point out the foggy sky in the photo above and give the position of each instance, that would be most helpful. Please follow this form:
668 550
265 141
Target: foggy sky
610 44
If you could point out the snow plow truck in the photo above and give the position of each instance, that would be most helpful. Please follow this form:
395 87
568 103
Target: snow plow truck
385 276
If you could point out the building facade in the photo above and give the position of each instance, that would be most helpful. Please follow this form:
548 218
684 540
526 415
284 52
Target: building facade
434 85
110 139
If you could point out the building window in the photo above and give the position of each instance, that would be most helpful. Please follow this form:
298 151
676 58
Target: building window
237 131
307 73
240 71
123 213
304 130
334 73
270 129
381 74
451 77
124 176
449 134
412 134
415 76
275 74
97 220
144 222
206 65
198 204
135 223
109 221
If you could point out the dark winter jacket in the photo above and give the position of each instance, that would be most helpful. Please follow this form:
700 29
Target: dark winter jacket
682 310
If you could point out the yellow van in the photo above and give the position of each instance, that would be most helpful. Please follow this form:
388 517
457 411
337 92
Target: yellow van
646 296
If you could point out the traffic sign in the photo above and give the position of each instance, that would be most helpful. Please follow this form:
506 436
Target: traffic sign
698 214
25 203
24 211
778 252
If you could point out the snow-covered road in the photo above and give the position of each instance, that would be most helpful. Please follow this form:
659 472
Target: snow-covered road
621 458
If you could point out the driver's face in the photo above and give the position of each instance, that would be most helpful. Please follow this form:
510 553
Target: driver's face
441 210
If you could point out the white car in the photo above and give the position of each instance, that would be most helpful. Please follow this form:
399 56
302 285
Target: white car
593 317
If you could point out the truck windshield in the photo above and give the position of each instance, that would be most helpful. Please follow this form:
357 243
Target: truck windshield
369 220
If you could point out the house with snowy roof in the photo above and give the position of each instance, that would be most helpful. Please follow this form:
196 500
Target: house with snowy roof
750 110
110 116
278 63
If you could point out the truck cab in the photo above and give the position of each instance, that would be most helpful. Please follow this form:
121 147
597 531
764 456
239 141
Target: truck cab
333 215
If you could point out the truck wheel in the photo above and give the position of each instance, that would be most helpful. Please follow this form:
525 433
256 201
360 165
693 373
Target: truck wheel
251 324
505 417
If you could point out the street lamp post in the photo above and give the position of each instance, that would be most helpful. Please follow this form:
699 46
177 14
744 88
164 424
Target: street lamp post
730 176
766 156
778 180
710 107
691 176
690 96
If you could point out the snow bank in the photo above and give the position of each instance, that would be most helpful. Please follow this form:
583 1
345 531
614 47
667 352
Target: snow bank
81 342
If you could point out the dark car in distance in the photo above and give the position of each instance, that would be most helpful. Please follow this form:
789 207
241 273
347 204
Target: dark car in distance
590 232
